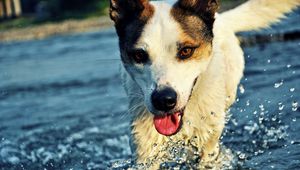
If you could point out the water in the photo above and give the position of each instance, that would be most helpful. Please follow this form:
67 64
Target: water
62 106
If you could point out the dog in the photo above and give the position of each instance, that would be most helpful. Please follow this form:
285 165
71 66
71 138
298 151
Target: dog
182 64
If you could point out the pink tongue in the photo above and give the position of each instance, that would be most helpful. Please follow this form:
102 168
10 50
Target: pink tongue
167 125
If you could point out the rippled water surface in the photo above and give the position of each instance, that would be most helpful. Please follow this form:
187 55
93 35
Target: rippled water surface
62 105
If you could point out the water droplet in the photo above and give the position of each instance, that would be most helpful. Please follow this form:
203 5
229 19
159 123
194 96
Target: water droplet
260 119
292 89
292 142
277 85
242 156
269 61
188 122
280 106
248 103
294 106
288 66
294 119
235 123
261 106
242 89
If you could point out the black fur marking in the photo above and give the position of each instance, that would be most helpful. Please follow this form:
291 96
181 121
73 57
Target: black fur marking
130 17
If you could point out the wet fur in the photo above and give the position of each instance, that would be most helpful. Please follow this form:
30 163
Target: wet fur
216 87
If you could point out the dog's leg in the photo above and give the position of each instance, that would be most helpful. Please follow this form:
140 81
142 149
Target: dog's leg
211 149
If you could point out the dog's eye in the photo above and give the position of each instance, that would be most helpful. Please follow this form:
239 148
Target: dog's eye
139 56
185 53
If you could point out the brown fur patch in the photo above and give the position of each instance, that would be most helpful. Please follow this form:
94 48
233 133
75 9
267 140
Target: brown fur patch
196 14
206 9
121 10
147 12
194 34
196 21
192 24
202 51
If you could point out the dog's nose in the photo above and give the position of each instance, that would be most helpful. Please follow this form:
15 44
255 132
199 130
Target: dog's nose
164 99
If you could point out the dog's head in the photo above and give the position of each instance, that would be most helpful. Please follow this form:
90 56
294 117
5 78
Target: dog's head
165 48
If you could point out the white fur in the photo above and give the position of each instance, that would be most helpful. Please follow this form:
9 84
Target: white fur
257 14
218 79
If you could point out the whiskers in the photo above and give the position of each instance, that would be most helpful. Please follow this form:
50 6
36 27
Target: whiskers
136 95
136 103
138 107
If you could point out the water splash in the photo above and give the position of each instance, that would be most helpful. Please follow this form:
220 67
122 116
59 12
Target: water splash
294 106
248 103
261 107
279 84
179 155
281 106
242 89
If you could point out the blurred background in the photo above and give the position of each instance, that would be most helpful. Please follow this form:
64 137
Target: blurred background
42 18
62 105
43 10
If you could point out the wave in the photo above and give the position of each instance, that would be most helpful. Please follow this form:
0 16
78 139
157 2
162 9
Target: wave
8 91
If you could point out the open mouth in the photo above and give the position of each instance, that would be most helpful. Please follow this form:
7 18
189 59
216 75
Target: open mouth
168 124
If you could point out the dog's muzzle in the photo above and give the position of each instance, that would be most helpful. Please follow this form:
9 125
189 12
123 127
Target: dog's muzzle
164 99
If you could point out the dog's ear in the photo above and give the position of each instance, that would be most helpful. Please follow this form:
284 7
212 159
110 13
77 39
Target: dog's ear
206 8
126 9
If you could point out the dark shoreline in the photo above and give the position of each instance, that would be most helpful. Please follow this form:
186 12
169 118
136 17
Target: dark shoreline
260 38
51 29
